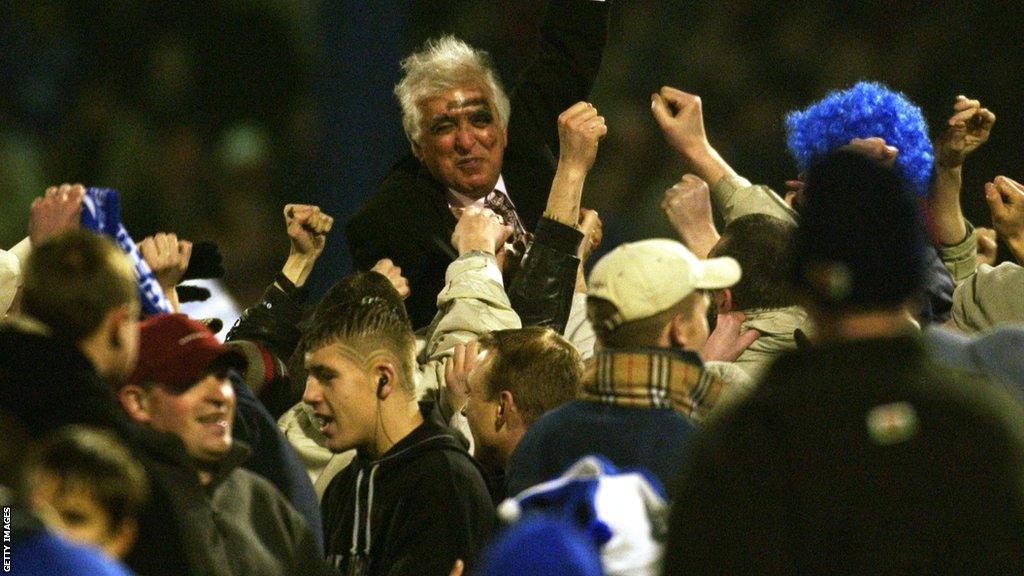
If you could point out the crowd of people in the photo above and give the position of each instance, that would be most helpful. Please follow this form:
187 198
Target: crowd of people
831 384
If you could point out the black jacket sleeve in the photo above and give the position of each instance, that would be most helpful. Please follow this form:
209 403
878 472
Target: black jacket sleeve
273 321
542 291
573 35
268 334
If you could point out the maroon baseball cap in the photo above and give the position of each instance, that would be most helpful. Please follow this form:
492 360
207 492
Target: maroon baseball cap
176 351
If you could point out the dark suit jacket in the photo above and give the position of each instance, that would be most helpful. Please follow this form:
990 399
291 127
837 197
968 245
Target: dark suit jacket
408 220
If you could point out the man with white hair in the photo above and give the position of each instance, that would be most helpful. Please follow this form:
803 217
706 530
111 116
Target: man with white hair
458 117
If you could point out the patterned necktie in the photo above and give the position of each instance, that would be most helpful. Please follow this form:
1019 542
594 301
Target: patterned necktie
500 204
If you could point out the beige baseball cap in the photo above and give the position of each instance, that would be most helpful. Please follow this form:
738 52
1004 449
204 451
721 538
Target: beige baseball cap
644 278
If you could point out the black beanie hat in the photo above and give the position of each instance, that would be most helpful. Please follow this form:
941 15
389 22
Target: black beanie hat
861 241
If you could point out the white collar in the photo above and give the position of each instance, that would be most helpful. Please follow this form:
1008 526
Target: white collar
457 200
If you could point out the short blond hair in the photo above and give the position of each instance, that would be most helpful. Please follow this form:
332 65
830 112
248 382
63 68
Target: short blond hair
72 280
639 332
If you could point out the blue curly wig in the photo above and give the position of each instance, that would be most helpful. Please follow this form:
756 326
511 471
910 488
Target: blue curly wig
865 110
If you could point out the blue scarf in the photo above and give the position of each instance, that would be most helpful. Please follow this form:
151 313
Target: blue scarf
102 213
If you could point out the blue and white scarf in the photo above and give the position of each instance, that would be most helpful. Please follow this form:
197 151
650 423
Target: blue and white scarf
102 213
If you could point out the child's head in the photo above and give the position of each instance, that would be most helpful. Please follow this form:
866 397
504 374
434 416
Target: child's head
86 486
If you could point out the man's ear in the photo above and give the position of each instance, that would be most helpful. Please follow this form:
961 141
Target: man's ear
122 538
385 378
116 324
417 150
723 300
136 402
508 410
676 334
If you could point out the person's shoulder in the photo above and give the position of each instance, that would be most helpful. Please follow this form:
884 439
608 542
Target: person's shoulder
406 194
46 553
973 394
550 427
554 419
341 485
443 455
244 483
402 183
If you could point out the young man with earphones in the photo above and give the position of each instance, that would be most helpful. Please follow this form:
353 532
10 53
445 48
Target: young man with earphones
412 501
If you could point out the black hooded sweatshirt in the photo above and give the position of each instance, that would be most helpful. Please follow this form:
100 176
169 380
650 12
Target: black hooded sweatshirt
415 510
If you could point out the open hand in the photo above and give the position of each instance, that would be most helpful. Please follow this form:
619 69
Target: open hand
727 342
456 372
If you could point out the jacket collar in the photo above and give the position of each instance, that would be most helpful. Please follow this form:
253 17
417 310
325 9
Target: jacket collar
169 449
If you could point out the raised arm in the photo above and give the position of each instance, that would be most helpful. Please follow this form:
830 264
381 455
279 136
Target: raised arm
472 303
272 323
542 291
687 206
168 258
967 129
681 119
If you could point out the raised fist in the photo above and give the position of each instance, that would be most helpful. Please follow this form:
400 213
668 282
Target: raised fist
59 209
579 130
393 273
307 228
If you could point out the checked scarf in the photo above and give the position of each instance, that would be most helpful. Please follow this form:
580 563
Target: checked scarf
652 377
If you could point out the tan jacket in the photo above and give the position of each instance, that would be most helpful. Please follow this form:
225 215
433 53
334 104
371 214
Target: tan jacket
734 197
776 327
985 296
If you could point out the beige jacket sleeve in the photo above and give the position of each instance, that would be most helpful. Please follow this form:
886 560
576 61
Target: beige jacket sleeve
961 259
735 196
473 302
992 296
11 262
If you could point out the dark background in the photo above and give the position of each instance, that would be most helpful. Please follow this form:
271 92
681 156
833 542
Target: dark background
210 115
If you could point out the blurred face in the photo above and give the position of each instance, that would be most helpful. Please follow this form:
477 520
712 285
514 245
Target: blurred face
462 141
342 395
71 511
482 413
201 416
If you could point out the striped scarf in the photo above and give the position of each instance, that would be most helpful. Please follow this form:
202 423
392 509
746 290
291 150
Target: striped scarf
653 378
101 212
